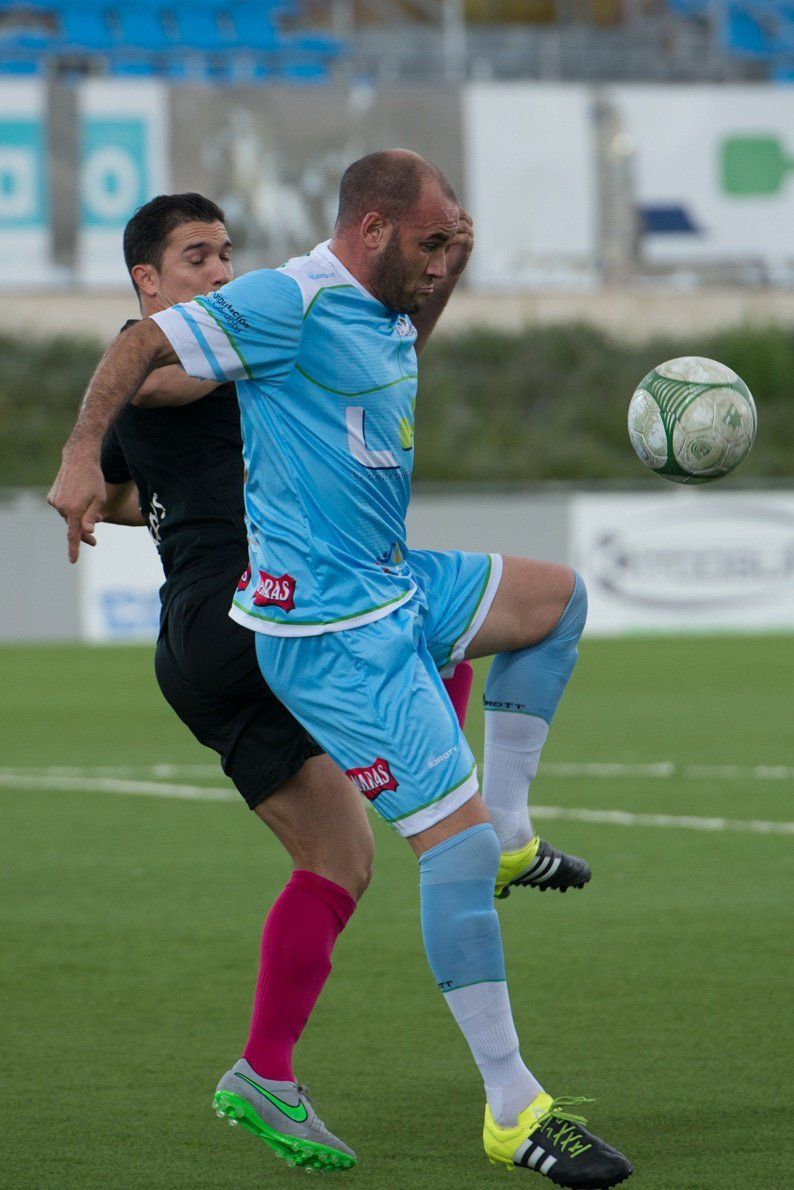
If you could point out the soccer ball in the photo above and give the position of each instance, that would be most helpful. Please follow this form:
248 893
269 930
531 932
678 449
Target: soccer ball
692 420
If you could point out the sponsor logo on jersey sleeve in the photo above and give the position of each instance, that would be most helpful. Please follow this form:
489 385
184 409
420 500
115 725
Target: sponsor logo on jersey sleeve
234 319
373 779
275 591
245 579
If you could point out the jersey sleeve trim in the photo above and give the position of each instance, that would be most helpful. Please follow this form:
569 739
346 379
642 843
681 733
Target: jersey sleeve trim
219 342
181 334
203 347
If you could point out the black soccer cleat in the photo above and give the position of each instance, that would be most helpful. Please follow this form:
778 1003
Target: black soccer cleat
539 865
556 1144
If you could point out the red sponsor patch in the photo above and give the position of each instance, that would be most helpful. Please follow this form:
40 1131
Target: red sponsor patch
245 579
278 591
373 779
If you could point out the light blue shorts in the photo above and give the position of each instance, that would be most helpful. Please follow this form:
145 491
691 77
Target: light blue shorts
373 696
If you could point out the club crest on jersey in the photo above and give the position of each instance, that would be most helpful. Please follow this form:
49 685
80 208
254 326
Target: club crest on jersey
373 779
245 579
279 592
404 326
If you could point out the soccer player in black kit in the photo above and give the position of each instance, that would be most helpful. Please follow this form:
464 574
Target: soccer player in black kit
173 461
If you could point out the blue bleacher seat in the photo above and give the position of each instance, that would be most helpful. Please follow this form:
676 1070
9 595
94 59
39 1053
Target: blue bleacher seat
746 34
143 27
253 28
203 27
20 66
86 26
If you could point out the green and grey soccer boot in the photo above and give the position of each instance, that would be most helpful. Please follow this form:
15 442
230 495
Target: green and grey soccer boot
280 1114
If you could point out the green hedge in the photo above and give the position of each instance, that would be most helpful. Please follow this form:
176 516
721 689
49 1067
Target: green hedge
550 404
545 404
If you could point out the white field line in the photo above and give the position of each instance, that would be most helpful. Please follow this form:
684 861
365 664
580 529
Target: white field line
194 793
657 769
687 822
669 768
46 779
662 769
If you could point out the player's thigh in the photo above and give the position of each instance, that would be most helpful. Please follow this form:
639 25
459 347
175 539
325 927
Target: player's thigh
529 601
228 706
373 698
321 819
458 589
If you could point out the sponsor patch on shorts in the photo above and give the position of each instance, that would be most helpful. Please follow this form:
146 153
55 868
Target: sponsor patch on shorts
373 779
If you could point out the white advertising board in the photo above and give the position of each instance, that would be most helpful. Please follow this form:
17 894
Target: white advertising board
713 171
123 163
688 561
24 190
530 185
119 583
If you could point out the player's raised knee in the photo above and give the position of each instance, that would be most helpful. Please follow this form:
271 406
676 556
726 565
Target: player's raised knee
574 616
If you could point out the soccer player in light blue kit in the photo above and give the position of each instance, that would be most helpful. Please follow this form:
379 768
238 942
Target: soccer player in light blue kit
354 628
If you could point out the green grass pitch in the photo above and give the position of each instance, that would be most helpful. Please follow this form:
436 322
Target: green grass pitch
130 931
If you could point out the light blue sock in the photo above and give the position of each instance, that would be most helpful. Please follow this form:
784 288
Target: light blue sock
522 693
531 681
460 926
463 943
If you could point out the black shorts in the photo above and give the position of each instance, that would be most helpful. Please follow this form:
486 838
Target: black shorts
207 669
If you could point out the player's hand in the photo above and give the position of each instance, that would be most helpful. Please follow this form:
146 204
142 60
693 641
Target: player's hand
78 494
460 246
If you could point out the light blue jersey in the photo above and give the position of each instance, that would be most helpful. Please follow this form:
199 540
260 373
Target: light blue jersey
326 377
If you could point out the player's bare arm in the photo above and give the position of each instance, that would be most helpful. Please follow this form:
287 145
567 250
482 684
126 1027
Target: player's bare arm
78 492
457 256
171 386
122 505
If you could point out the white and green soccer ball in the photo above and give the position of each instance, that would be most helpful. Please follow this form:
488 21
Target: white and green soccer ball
692 420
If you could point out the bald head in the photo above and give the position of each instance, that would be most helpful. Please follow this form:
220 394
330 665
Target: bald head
397 215
389 182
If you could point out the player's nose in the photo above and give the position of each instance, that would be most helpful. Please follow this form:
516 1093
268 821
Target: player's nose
437 265
221 275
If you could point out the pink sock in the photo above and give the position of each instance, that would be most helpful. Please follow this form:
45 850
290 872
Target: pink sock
458 687
295 961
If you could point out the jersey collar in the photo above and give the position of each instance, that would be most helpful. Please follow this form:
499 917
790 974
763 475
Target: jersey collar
324 250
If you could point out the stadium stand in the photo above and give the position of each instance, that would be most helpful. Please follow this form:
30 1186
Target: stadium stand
215 40
313 40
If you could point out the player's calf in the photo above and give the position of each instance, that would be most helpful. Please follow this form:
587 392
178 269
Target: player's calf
522 693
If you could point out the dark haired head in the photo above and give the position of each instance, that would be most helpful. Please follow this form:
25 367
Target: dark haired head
146 234
389 182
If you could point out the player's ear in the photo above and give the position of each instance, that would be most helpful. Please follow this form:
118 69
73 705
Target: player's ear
375 229
146 278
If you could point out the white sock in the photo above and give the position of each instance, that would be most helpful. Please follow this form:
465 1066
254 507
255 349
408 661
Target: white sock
483 1014
513 744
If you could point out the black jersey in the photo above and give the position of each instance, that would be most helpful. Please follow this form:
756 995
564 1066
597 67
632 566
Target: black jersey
187 463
